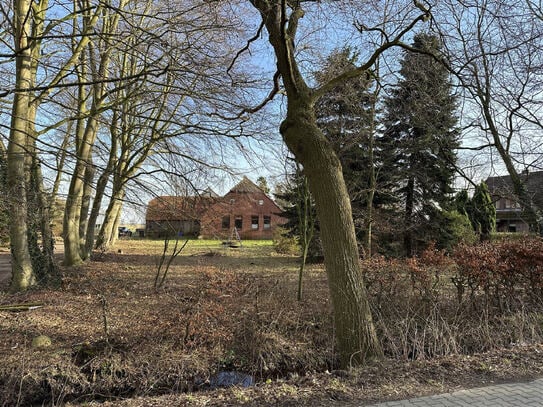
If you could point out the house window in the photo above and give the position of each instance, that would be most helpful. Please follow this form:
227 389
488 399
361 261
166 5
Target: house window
254 222
238 222
510 204
261 202
226 222
267 222
232 201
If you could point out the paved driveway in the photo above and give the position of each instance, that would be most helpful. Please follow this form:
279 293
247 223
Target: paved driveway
529 394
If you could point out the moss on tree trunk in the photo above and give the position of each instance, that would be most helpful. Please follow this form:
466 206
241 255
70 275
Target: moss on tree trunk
355 333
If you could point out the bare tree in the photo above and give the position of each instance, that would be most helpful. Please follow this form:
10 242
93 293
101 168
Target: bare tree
495 52
24 172
99 54
355 333
22 271
119 82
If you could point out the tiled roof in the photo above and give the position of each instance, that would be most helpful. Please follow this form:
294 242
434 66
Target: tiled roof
502 187
177 207
246 186
169 208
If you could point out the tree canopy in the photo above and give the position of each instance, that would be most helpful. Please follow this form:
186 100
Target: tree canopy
420 136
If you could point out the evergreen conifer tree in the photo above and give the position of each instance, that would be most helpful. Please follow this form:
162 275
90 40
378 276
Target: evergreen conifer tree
299 210
343 117
482 212
346 116
262 183
420 138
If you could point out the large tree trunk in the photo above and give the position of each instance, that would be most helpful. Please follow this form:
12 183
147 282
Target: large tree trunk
355 333
85 208
72 210
95 212
48 241
108 232
74 201
356 337
99 56
22 272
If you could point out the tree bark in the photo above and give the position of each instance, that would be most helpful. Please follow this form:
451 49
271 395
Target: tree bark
95 211
355 333
74 201
85 208
72 210
107 235
22 272
99 62
48 241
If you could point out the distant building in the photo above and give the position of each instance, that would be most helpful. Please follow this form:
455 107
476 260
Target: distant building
509 213
245 209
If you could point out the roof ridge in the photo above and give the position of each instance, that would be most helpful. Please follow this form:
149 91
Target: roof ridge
245 185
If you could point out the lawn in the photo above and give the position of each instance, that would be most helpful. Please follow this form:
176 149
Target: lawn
116 339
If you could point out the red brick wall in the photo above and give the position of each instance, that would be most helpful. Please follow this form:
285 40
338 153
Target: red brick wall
246 206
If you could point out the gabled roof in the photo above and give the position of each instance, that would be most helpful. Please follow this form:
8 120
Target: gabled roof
174 207
246 186
502 186
170 208
209 193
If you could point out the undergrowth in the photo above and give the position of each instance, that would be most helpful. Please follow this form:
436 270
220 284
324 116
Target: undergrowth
213 316
479 298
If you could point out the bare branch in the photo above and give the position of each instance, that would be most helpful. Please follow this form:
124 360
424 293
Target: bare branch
370 62
246 47
249 110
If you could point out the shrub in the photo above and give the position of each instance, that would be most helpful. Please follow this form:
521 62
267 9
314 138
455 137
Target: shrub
506 272
418 313
285 243
456 229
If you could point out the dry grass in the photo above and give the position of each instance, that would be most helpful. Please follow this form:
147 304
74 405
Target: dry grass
114 336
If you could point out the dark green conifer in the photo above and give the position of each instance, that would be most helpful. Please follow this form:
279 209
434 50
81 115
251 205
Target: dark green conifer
420 139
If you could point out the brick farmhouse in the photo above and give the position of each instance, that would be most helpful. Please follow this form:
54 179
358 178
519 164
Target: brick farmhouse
245 209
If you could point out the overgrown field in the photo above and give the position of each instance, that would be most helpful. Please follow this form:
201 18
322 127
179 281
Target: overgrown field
116 334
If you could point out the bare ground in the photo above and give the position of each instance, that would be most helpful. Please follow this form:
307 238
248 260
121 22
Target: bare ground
379 381
116 341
